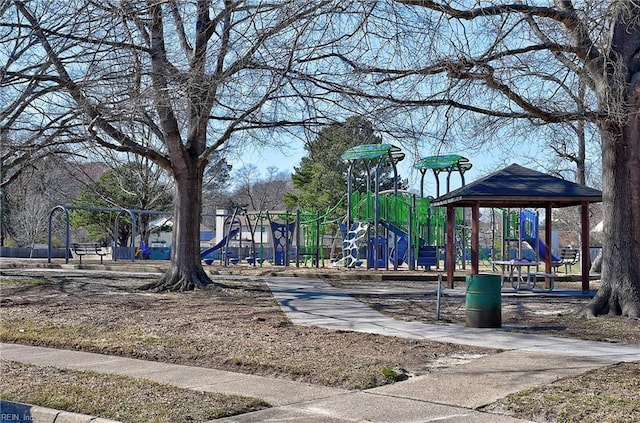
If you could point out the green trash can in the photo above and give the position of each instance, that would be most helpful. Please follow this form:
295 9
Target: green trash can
484 301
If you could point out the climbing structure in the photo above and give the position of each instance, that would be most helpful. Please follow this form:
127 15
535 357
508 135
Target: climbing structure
448 163
353 241
382 229
401 227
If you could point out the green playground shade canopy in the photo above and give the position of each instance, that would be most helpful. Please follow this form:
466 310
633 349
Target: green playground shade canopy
443 162
372 152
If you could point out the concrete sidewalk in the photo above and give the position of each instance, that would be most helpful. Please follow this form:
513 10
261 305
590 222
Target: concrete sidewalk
453 395
312 302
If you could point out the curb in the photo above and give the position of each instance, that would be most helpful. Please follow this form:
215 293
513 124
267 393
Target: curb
15 412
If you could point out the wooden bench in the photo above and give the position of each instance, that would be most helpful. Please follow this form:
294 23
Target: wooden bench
568 257
86 249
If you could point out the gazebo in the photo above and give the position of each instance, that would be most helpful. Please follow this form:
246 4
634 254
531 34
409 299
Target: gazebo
518 187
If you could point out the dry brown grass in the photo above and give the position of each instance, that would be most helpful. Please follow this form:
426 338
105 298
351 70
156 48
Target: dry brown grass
241 328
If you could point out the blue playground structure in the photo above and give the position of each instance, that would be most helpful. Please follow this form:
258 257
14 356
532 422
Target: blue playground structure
282 236
390 229
521 227
207 254
529 224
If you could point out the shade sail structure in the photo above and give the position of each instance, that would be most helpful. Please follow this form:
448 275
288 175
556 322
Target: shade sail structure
444 162
372 152
518 186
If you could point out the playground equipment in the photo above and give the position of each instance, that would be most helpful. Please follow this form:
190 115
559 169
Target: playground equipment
353 241
522 226
529 224
129 250
381 229
143 252
449 163
279 237
400 228
409 231
207 253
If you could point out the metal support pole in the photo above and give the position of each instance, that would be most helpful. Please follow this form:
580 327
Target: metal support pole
438 295
297 232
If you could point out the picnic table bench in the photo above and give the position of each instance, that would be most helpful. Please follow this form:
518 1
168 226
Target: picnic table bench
515 271
84 249
532 278
568 257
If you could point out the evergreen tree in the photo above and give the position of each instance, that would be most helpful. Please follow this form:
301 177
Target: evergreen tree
321 178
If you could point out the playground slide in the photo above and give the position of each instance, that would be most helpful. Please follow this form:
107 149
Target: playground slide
403 244
529 228
219 244
426 254
542 247
397 231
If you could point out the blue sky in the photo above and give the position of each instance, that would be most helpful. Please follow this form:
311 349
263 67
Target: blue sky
482 165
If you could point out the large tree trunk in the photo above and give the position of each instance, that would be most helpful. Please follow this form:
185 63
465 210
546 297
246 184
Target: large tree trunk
185 272
619 292
186 164
620 289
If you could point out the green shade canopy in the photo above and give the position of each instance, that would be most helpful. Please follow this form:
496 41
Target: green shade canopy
444 162
372 152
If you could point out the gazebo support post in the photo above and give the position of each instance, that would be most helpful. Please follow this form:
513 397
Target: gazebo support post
586 262
450 257
547 240
475 241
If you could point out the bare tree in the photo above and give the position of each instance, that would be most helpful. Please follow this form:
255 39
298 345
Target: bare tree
29 223
30 198
195 74
200 73
524 62
23 103
257 192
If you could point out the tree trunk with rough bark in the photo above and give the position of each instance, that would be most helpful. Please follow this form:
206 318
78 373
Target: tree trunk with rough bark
185 272
619 293
188 159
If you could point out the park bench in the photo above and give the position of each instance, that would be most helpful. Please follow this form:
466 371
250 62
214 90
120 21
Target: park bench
568 257
84 249
427 256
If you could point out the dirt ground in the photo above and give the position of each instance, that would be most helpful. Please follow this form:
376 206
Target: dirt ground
552 313
238 326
